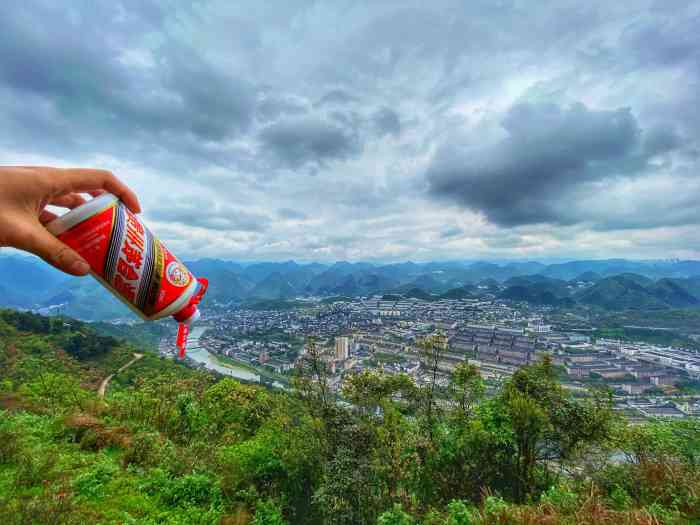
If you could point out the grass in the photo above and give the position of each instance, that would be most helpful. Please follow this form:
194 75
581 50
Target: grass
386 357
230 362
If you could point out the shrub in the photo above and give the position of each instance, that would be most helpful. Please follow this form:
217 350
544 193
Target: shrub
50 507
620 499
662 514
458 513
395 516
561 497
91 484
93 434
192 490
9 443
146 449
495 506
268 513
34 467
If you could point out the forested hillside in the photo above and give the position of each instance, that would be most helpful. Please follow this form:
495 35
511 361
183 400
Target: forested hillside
614 285
169 445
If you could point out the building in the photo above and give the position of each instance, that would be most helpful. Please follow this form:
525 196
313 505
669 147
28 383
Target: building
538 327
342 348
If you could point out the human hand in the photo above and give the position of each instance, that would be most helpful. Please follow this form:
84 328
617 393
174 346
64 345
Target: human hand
25 191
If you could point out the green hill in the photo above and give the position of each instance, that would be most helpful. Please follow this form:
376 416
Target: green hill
274 286
534 294
171 445
463 292
538 290
418 293
630 291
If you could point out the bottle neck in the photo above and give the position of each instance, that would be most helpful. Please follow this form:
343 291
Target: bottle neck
188 314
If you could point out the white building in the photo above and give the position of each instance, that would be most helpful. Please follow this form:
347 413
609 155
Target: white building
538 327
342 348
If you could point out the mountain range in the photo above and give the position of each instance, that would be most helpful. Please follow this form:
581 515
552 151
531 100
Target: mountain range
611 283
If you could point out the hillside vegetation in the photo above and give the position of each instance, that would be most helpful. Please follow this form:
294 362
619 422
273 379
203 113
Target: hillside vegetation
169 445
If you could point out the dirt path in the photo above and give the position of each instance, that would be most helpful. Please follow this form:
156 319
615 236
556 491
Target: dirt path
105 382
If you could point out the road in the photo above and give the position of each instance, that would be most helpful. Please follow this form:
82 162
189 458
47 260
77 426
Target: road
106 380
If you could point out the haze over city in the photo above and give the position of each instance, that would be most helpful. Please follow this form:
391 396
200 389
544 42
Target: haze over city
382 132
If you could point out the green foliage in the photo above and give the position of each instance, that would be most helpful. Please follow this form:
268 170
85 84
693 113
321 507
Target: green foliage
459 513
81 346
148 449
395 516
58 391
619 498
369 390
466 387
169 445
495 506
191 490
9 442
91 484
232 405
561 497
268 512
253 463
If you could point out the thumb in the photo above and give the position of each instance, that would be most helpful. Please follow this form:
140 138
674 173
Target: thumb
42 243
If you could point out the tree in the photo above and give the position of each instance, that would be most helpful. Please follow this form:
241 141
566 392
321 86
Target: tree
549 425
370 390
236 408
466 388
311 379
431 350
268 513
529 423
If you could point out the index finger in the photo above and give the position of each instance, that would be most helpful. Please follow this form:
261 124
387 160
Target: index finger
81 180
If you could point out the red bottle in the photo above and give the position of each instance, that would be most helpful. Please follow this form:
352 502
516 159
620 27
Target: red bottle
128 260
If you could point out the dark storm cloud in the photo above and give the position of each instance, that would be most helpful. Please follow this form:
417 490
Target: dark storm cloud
549 151
387 122
77 71
297 141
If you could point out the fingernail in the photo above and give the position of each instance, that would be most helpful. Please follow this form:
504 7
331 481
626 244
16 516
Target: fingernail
80 267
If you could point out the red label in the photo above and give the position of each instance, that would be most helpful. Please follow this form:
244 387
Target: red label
91 238
126 255
175 279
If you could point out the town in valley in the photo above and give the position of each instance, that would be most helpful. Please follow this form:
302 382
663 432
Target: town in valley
384 333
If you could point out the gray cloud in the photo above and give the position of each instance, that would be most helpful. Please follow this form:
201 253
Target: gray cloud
453 231
296 141
83 74
545 129
272 107
289 213
203 213
661 139
336 97
549 151
387 122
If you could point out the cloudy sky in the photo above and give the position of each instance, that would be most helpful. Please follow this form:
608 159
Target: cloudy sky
372 130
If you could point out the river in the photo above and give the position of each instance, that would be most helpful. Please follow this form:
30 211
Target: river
201 355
